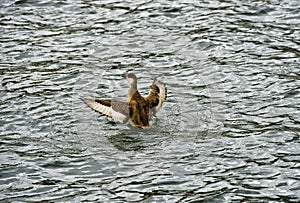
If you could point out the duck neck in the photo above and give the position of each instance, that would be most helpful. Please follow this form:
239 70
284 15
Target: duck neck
132 90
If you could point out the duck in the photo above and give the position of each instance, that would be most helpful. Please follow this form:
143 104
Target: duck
138 109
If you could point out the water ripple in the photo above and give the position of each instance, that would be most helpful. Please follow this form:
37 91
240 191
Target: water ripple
228 132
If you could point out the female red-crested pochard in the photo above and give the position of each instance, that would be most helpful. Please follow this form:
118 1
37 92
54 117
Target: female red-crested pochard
138 109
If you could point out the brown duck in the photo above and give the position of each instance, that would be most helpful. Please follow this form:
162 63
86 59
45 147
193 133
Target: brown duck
138 109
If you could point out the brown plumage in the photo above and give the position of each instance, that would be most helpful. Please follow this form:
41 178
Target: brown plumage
138 109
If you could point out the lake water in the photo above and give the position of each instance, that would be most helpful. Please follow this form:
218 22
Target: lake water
228 131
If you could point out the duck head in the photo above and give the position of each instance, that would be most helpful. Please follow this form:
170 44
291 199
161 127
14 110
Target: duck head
131 78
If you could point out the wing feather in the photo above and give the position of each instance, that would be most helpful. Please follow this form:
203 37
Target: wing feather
162 95
117 110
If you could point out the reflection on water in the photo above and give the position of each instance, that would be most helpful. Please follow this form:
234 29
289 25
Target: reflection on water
228 132
126 143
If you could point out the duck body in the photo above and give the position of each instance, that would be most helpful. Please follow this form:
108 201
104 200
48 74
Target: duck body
137 109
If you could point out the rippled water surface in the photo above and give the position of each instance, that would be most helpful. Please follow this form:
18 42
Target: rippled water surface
228 132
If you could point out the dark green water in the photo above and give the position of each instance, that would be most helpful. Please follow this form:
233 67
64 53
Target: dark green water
228 132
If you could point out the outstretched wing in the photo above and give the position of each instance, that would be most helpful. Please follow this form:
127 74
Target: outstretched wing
162 95
112 108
